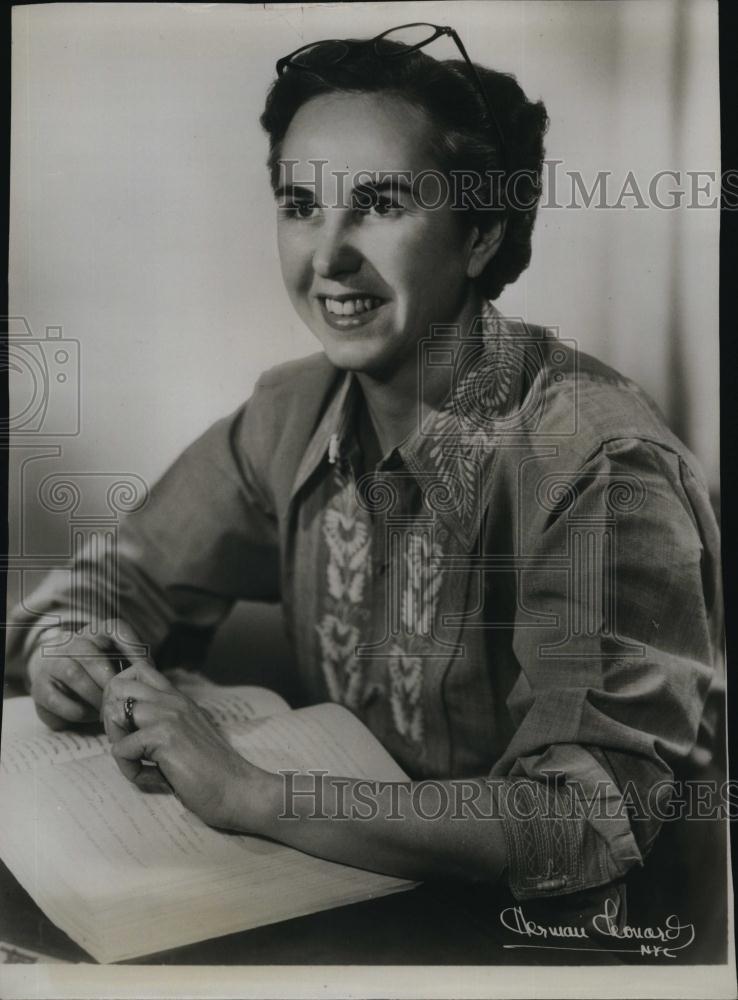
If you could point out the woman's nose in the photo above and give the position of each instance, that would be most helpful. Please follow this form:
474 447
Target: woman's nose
334 253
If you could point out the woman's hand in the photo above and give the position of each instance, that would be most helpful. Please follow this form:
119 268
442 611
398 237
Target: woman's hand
204 771
68 671
226 791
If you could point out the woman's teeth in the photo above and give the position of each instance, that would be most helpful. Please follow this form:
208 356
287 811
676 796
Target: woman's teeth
348 307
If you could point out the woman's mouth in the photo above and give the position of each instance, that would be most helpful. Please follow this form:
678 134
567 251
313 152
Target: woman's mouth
350 311
349 307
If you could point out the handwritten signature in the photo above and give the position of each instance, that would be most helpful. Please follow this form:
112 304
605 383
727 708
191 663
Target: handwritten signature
664 939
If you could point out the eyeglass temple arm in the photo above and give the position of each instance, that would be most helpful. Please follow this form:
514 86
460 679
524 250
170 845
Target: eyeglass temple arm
493 117
472 67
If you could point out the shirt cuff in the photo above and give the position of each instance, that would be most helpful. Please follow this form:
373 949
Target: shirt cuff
551 850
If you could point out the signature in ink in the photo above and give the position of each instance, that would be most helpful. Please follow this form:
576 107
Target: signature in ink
661 940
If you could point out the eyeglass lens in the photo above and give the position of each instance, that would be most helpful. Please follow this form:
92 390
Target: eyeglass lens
320 54
412 35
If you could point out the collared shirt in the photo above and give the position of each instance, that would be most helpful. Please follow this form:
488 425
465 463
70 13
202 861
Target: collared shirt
526 588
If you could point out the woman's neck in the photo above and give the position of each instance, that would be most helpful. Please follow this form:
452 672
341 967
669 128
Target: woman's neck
393 403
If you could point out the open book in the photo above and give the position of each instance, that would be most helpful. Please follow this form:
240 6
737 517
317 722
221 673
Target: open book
127 873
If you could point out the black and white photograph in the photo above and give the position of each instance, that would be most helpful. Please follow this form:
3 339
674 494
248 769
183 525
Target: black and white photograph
365 628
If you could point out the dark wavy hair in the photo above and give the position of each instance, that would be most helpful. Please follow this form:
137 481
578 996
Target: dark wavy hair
463 138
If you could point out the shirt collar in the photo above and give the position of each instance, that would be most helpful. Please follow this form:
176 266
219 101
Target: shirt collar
451 451
330 437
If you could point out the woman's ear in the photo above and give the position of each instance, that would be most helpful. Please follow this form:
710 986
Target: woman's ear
485 242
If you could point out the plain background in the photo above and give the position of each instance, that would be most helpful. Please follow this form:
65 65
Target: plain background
142 221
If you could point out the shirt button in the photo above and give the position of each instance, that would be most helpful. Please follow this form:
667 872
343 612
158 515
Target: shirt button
552 883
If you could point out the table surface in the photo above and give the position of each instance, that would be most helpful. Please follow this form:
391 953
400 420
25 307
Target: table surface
438 924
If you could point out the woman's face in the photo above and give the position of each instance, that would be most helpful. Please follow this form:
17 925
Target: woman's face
368 279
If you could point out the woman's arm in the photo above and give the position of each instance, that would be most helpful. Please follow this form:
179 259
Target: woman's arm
416 830
205 538
385 829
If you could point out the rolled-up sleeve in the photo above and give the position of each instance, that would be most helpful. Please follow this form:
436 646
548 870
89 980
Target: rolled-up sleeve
205 537
617 637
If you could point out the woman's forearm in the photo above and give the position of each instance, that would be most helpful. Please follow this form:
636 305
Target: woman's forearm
413 830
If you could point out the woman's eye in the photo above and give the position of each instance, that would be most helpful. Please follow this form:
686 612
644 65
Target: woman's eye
379 206
385 207
300 210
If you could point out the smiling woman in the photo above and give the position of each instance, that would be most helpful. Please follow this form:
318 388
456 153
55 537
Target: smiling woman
488 546
413 265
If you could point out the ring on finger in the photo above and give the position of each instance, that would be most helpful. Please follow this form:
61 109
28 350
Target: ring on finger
128 706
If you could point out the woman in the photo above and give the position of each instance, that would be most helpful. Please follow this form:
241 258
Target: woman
488 546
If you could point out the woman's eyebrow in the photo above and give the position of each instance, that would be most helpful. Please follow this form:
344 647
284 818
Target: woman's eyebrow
367 189
295 192
395 185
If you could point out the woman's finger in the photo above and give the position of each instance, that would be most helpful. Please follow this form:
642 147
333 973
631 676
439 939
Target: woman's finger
100 670
117 721
118 644
142 670
75 675
128 753
52 695
50 718
121 688
126 685
132 709
75 663
131 750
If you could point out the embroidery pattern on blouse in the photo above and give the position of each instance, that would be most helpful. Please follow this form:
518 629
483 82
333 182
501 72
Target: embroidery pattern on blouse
419 598
348 541
464 427
347 538
463 436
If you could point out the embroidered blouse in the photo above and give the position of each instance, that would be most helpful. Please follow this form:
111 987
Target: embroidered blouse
526 588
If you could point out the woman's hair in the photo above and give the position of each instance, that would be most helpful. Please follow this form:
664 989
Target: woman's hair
464 139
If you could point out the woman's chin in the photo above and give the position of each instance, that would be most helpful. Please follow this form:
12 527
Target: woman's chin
370 348
353 358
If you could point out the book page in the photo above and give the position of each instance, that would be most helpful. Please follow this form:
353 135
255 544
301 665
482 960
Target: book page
110 829
227 704
234 706
127 873
113 834
20 718
27 743
323 737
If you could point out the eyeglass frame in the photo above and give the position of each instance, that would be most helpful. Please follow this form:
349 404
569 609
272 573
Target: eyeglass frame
439 30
